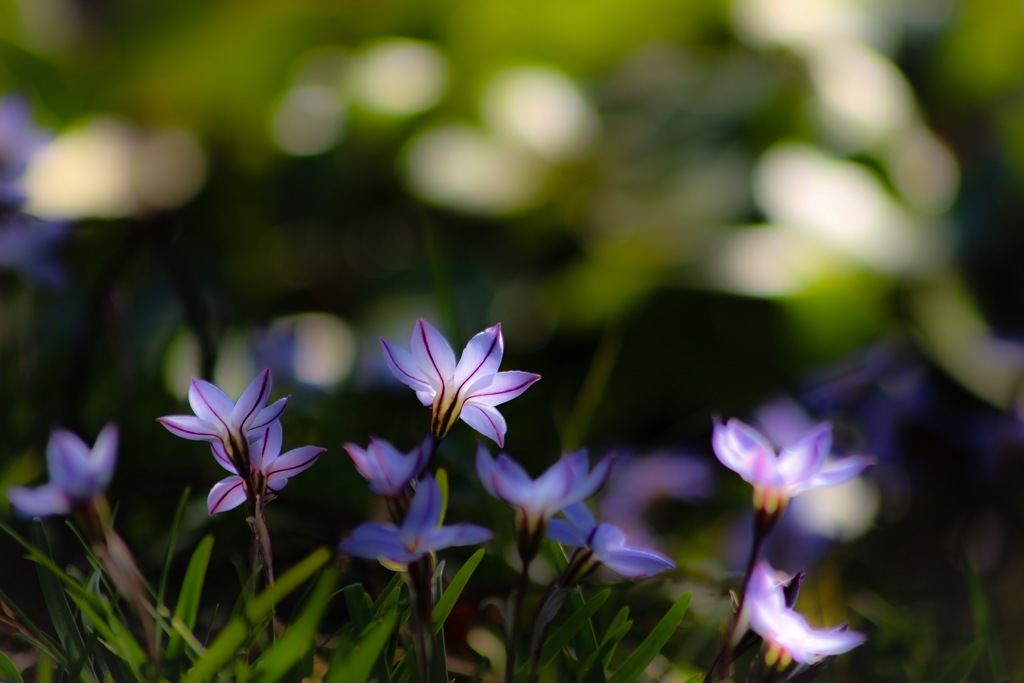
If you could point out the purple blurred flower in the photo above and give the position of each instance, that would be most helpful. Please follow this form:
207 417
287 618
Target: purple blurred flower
220 420
778 478
568 481
78 474
269 473
606 544
419 534
786 634
388 471
19 140
27 245
468 389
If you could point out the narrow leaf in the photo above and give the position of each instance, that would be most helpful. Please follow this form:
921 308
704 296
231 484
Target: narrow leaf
648 650
187 609
300 635
962 664
355 664
448 599
576 621
8 672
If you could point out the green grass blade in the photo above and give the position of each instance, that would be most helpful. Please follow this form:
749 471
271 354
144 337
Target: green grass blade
172 541
648 650
8 672
962 664
695 678
51 580
616 632
355 663
448 599
300 636
223 648
187 609
578 619
119 639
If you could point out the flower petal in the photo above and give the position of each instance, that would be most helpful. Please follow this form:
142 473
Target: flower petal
268 414
562 532
67 460
220 454
43 501
191 428
263 453
290 464
592 482
404 368
434 356
480 358
504 479
837 472
424 512
103 456
486 420
499 388
210 403
803 459
252 401
580 516
454 535
226 494
636 563
740 447
374 541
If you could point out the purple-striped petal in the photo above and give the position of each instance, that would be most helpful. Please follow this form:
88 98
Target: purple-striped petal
251 402
220 454
434 356
226 494
480 358
486 420
263 453
189 427
290 464
499 388
210 403
404 368
268 414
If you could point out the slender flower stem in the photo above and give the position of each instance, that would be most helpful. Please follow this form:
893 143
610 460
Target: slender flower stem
514 621
262 551
761 530
420 577
542 625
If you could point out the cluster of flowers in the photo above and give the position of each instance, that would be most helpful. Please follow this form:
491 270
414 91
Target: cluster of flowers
246 439
26 242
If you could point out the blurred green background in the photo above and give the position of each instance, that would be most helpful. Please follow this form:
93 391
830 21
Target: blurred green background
784 210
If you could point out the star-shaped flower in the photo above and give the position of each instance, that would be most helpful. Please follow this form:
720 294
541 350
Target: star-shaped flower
778 478
786 634
218 419
388 471
420 533
78 474
270 469
606 544
468 389
568 481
